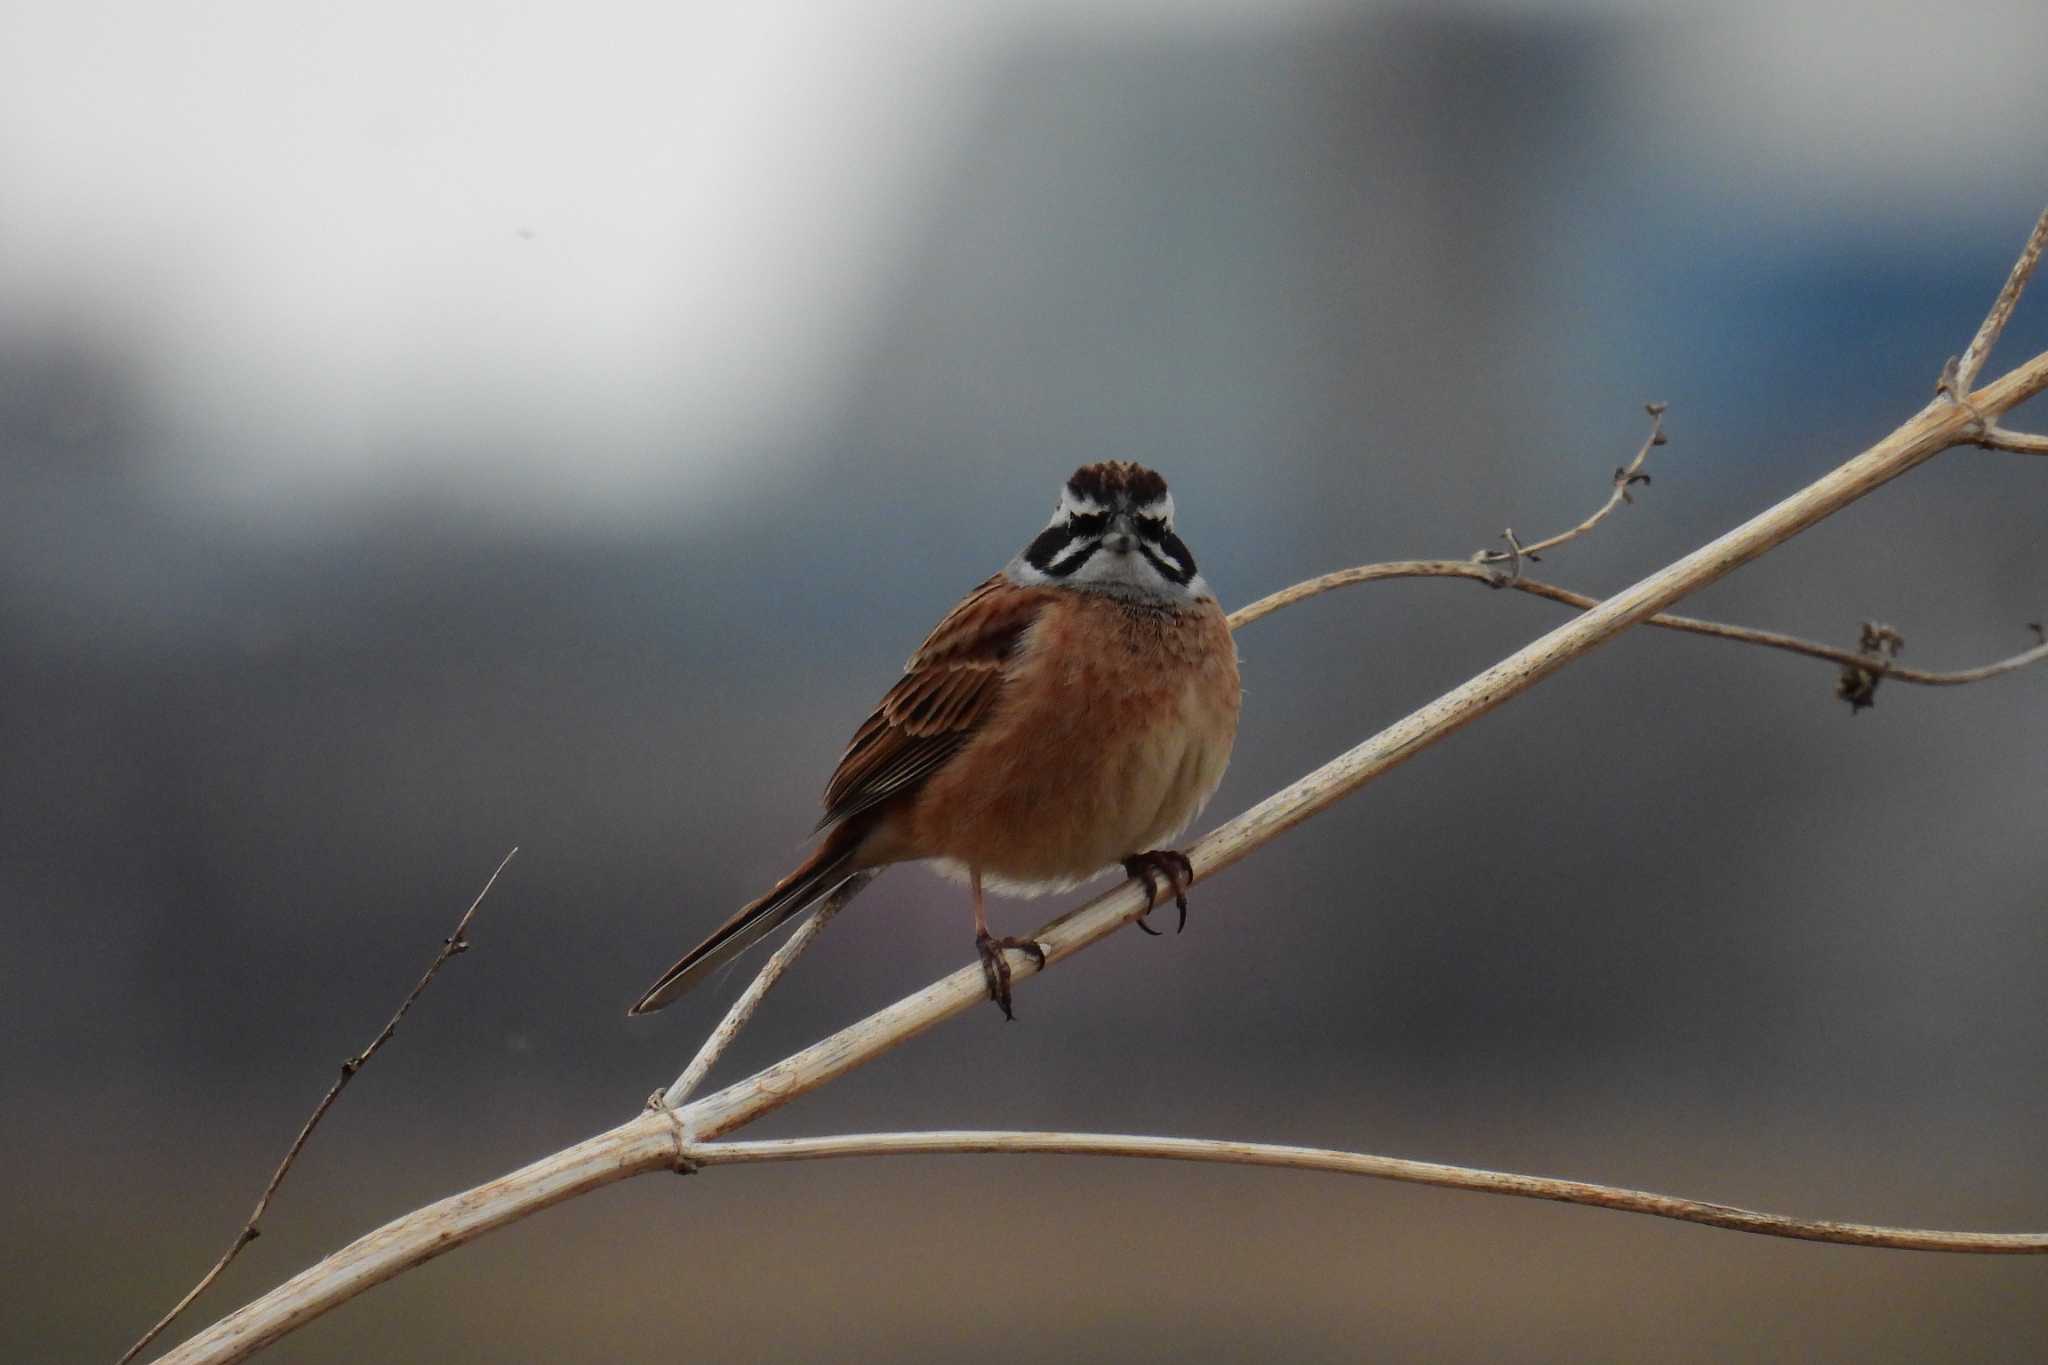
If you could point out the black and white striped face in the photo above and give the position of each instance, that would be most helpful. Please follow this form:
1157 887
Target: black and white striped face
1112 531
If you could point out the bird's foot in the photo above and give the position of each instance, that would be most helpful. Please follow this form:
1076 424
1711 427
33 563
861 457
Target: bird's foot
1175 868
995 968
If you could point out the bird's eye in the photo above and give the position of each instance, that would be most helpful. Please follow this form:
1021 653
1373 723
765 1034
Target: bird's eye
1089 523
1152 528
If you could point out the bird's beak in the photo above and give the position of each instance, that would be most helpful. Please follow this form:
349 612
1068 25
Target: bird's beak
1123 535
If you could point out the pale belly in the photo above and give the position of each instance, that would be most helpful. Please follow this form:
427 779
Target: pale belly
1101 753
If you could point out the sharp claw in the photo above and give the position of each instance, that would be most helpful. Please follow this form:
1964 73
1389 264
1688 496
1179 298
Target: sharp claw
1138 869
1184 874
1179 872
995 972
995 968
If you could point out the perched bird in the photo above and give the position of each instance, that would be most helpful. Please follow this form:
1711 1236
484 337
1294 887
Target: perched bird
1072 713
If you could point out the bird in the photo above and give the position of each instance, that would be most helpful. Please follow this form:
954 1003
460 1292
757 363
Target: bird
1073 713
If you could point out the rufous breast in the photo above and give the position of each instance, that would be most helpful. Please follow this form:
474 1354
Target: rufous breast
1112 731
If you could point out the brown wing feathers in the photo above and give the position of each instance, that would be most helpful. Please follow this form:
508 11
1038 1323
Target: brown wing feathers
947 689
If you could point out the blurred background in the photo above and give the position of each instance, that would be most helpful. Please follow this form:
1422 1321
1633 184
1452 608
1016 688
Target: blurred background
429 429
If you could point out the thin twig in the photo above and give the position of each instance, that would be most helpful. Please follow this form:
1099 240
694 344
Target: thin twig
1769 639
1988 332
1378 1167
1625 478
771 972
2018 442
450 946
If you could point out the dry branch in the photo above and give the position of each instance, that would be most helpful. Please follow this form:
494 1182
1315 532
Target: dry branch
750 999
450 946
1625 478
2016 442
1378 1167
1963 377
1692 625
673 1139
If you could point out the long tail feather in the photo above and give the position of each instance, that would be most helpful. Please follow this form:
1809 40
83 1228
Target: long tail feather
817 878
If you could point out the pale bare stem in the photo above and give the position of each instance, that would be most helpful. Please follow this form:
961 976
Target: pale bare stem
450 946
1692 625
1625 478
1972 362
656 1141
1377 1167
2018 442
743 1008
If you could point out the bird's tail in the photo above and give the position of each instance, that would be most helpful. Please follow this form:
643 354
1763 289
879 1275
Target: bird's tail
817 877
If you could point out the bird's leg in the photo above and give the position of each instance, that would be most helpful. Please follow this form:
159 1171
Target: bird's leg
995 968
1170 864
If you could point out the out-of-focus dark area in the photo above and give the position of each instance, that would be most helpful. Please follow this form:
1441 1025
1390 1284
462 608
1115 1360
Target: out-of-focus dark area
429 431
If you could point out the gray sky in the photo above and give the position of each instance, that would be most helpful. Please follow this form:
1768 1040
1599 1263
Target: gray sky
633 249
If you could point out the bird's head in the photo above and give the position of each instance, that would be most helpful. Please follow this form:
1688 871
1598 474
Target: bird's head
1112 531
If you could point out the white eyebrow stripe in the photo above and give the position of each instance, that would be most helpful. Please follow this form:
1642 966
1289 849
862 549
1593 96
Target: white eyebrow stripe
1160 507
1071 505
